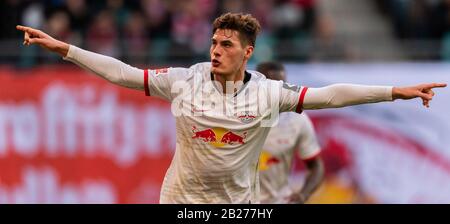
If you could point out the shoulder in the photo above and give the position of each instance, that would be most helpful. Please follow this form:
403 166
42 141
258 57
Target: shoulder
201 67
301 118
257 76
296 118
305 124
260 80
182 73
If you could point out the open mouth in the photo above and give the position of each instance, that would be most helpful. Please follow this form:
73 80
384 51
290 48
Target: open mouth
215 63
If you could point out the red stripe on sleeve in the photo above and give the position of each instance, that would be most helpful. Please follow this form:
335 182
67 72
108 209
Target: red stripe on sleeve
300 100
147 90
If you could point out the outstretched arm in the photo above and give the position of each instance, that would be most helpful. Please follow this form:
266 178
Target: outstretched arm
342 95
108 68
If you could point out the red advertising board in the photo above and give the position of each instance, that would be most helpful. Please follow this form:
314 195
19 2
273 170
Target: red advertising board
67 136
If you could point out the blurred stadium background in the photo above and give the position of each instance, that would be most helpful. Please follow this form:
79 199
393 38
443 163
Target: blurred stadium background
70 137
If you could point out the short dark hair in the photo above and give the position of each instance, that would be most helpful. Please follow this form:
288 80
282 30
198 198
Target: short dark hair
270 66
247 26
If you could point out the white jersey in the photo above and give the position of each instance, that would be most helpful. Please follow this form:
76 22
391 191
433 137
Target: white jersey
216 157
293 134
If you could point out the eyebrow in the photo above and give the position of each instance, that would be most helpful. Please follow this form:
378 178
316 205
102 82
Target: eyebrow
226 42
223 41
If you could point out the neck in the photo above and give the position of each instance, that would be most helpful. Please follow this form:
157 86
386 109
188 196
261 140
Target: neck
233 78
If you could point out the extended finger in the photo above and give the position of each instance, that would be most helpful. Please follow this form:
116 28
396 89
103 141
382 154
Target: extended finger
435 85
26 29
22 28
29 30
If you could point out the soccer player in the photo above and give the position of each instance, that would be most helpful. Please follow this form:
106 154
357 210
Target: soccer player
221 109
293 134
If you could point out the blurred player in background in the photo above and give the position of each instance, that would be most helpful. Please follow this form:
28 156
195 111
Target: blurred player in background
294 135
217 153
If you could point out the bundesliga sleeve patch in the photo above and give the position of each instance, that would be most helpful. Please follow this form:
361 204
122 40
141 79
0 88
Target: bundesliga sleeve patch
161 71
291 87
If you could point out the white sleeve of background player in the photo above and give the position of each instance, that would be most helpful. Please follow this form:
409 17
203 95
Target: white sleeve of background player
307 141
341 95
106 67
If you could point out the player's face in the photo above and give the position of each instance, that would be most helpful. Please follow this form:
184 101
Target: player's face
228 55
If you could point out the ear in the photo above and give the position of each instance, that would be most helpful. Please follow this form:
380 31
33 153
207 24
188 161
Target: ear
249 52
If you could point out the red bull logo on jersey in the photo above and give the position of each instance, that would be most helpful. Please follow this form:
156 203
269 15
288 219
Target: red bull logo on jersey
232 138
207 135
266 160
219 137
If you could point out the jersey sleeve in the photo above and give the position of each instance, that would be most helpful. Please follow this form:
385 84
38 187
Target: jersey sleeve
342 95
308 146
159 82
292 97
106 67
